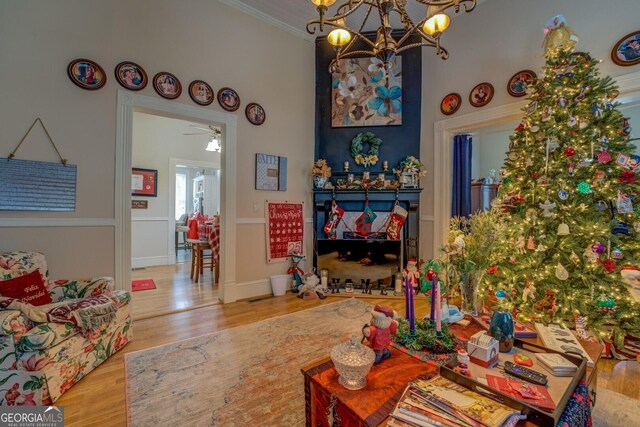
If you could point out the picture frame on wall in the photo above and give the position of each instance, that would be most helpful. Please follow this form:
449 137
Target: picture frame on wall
255 114
450 104
626 51
86 74
519 82
167 85
131 76
201 92
481 94
144 182
228 99
271 172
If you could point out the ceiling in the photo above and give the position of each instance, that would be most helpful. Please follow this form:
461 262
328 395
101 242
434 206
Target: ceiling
293 15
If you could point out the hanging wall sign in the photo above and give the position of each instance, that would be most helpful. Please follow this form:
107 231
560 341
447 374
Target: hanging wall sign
285 229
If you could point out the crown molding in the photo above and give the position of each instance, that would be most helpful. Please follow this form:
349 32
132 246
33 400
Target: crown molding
237 4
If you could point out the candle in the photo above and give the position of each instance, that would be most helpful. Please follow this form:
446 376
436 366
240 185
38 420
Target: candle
324 281
407 313
398 286
346 166
438 307
410 317
385 165
433 295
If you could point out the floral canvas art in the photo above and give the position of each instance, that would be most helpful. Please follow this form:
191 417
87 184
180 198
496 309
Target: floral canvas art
362 95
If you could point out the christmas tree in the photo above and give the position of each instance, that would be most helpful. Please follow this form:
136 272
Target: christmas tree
567 194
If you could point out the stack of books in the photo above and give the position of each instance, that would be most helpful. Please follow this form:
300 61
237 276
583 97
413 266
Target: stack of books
557 364
441 402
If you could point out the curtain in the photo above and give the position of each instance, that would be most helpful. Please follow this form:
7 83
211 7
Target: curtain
461 200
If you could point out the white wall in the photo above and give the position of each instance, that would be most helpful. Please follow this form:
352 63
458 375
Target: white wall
489 148
193 39
497 39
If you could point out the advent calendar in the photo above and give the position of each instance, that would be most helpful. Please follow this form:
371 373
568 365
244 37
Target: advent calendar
285 229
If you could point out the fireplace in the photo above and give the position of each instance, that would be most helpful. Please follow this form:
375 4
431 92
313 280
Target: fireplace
372 257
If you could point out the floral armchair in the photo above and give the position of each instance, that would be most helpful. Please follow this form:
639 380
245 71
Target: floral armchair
44 350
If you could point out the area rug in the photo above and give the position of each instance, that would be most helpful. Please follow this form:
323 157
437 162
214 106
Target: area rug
615 410
142 285
249 375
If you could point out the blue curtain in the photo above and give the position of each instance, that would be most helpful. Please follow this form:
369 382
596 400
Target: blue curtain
461 201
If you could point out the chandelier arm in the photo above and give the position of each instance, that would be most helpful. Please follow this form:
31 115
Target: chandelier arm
356 34
405 19
469 5
350 7
344 54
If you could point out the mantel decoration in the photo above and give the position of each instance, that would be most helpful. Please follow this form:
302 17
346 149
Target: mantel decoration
409 172
321 173
349 42
369 158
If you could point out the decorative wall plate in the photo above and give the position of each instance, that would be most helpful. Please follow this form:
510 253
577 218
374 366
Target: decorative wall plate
255 114
86 74
517 85
626 51
201 92
450 103
228 99
131 76
481 95
167 85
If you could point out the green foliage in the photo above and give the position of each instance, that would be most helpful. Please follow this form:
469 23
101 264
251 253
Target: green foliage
425 337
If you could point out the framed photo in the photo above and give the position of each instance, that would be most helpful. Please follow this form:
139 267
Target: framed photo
518 84
626 51
131 76
167 85
144 182
255 114
271 172
228 99
201 92
450 104
86 74
481 95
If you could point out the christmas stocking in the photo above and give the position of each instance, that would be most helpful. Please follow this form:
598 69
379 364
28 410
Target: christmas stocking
396 221
365 220
333 220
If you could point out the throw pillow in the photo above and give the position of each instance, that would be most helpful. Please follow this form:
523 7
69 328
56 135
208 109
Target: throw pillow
29 288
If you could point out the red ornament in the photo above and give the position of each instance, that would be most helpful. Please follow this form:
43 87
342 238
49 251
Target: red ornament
492 270
570 152
430 274
535 175
628 177
608 265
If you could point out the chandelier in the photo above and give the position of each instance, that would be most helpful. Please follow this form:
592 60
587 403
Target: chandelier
349 42
214 141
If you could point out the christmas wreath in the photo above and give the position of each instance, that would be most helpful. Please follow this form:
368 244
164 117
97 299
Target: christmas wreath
369 158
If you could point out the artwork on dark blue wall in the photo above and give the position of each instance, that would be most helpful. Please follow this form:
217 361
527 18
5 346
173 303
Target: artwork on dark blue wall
364 94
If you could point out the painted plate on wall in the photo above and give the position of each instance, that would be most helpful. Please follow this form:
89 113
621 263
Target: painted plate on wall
167 85
86 74
626 51
255 114
450 103
481 95
228 99
201 92
131 76
518 84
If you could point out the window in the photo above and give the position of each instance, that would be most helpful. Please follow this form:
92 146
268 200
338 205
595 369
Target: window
181 195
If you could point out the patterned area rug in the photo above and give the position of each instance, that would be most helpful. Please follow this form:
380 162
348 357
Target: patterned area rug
249 375
142 285
615 410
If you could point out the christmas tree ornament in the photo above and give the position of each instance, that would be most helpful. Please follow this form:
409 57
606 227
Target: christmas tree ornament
563 194
596 110
541 248
605 303
584 187
613 94
574 258
634 161
531 215
620 227
535 175
590 254
507 180
608 265
572 121
580 96
543 181
631 278
535 128
531 245
519 245
628 177
529 291
561 272
622 159
598 177
582 124
531 108
601 205
581 326
617 253
563 229
624 204
528 163
513 156
625 128
501 294
547 113
558 35
562 102
598 248
604 140
570 151
636 226
604 157
570 169
547 208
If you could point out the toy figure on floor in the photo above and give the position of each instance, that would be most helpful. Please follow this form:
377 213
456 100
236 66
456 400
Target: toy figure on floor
413 274
379 333
296 271
311 289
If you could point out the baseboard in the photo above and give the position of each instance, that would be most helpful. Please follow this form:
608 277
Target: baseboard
153 260
246 290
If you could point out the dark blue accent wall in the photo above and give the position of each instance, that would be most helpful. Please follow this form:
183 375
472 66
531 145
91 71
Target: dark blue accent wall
334 144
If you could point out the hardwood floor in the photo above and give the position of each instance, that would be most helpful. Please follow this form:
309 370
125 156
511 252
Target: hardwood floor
175 291
99 399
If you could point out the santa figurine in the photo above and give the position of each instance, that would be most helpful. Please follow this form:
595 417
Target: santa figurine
412 273
379 333
631 278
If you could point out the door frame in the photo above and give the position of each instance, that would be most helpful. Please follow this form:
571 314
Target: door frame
126 103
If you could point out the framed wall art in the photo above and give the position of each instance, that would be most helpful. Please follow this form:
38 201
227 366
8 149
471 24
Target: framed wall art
271 172
86 74
362 95
255 114
626 51
167 85
144 182
519 82
481 95
284 228
450 104
201 92
228 99
131 76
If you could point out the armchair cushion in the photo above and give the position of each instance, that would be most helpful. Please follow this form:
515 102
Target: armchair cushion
74 289
29 288
45 335
13 322
14 264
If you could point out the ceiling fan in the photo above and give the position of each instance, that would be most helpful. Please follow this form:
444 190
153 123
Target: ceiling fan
214 133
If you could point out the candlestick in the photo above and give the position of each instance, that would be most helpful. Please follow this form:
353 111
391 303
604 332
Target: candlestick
397 290
438 307
346 166
385 166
